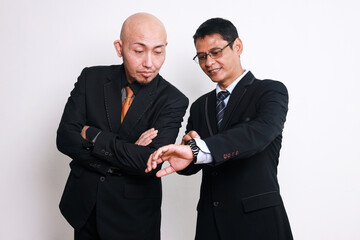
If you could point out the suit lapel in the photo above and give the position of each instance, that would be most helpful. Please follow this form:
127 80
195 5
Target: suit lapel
142 101
211 111
112 94
235 98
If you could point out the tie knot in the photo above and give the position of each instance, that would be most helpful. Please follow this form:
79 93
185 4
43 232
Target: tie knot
129 92
222 95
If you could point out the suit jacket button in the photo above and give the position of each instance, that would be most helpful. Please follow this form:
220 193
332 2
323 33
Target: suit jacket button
216 204
215 173
102 178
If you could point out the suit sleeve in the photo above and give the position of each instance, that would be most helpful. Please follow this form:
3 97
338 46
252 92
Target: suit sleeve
132 158
246 139
69 140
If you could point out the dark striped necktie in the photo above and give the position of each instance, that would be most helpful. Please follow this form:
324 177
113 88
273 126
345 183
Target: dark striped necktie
220 106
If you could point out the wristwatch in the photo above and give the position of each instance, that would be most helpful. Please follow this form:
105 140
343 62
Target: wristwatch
194 148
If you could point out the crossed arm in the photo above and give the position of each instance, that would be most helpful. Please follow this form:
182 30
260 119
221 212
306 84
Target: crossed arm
144 140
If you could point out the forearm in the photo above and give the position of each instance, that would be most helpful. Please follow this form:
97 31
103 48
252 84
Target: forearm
240 142
70 143
127 156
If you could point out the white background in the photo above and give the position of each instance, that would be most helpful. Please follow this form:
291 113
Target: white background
311 46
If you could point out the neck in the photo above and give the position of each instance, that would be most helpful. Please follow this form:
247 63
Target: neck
224 85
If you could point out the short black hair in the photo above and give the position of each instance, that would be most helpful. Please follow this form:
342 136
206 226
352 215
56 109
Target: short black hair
217 25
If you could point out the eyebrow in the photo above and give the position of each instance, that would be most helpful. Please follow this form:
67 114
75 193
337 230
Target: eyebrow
142 44
214 48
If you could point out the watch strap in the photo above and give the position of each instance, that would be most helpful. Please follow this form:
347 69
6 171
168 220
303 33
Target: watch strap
194 148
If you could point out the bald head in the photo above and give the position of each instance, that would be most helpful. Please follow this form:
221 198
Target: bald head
142 47
140 24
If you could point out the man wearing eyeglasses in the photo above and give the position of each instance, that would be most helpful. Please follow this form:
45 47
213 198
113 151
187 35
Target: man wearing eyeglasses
234 136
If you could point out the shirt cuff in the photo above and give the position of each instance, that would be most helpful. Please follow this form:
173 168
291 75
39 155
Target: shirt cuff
204 155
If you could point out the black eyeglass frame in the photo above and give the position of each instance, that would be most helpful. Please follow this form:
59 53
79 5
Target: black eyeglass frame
209 54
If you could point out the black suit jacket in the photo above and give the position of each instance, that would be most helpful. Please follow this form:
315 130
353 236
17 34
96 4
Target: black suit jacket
131 200
239 191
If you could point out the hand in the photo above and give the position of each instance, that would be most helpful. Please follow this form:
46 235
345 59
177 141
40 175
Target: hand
178 156
190 135
83 132
147 137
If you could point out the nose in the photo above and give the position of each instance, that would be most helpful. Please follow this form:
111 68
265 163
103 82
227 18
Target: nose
209 61
148 60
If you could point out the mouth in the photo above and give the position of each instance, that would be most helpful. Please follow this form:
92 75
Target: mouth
146 74
214 71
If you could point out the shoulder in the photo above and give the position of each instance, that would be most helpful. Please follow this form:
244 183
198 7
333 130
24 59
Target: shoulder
261 86
95 75
202 99
170 90
100 70
268 91
269 83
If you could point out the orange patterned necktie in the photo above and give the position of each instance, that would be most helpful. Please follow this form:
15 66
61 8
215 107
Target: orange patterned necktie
127 102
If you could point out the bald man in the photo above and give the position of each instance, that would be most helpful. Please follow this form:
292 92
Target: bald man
115 117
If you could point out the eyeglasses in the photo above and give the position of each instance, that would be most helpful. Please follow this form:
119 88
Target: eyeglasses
214 54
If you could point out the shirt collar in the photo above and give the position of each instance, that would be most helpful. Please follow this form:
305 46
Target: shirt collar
135 86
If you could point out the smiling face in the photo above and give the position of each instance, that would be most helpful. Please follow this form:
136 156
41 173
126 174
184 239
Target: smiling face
225 69
142 46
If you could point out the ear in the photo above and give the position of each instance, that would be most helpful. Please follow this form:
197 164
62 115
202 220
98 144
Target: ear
238 46
118 46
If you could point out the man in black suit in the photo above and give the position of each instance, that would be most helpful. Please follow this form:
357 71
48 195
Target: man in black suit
114 119
234 136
